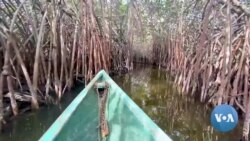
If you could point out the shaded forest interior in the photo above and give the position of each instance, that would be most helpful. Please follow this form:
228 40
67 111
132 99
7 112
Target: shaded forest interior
45 46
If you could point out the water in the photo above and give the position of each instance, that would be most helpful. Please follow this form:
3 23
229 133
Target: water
30 126
179 116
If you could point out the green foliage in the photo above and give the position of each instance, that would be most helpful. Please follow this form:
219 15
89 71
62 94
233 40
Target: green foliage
123 8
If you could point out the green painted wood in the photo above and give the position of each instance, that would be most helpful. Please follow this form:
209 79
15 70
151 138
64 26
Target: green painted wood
126 121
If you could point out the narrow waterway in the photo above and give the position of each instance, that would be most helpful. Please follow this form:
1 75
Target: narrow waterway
179 116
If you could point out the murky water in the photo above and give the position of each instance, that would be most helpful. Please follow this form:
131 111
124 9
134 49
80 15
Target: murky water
31 126
179 116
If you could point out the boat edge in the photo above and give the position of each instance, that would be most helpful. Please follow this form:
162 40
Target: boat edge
58 124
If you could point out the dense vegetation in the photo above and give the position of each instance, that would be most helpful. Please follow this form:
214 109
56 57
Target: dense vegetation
46 45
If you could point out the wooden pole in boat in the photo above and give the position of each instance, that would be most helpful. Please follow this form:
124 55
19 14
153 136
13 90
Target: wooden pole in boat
102 91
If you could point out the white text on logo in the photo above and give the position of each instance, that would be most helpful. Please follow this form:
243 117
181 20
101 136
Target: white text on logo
227 118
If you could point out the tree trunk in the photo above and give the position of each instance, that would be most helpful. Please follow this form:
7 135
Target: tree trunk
1 101
7 73
34 103
73 55
246 95
246 122
37 60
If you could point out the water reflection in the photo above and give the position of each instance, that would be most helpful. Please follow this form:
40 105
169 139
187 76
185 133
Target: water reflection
179 116
31 126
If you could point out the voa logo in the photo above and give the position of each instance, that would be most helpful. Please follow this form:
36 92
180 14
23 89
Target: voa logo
224 118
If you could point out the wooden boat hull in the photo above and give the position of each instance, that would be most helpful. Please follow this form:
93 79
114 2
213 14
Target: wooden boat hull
126 121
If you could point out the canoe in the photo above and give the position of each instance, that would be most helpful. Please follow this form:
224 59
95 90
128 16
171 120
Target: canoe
121 120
